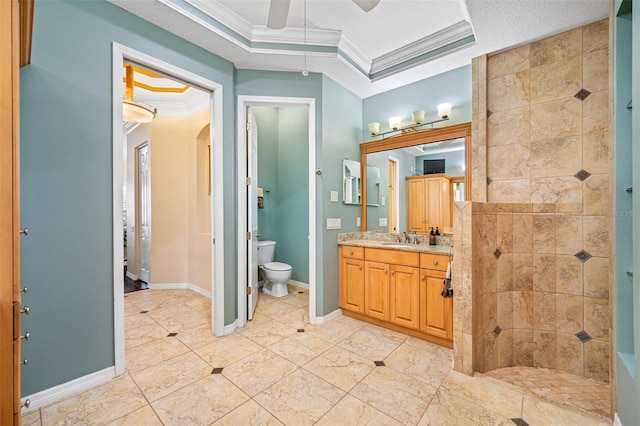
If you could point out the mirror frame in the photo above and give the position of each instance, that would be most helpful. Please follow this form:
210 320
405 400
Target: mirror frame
415 138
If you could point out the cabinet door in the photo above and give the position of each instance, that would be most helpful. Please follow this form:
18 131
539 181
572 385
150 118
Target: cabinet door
434 203
436 312
416 219
352 284
404 291
376 294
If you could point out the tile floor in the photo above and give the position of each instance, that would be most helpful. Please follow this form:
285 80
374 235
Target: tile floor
282 370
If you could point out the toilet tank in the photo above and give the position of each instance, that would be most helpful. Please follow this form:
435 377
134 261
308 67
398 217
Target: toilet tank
266 251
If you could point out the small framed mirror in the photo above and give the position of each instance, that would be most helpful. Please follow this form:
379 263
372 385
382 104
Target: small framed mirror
350 182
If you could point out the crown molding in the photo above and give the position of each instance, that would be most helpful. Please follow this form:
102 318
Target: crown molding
224 16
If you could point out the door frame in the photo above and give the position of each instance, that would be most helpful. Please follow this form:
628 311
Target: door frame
395 203
120 54
245 101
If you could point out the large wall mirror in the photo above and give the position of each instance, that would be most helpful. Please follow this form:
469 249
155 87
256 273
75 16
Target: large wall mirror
422 174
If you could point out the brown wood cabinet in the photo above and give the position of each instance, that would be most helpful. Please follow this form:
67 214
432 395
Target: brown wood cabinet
428 202
398 290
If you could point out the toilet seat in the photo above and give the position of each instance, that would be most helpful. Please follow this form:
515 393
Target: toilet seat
277 266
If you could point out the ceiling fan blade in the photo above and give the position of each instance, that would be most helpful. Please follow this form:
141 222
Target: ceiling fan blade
366 5
278 13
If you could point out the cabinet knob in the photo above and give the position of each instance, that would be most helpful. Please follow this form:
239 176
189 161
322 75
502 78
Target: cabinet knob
385 271
25 310
423 277
350 251
359 266
435 261
26 336
24 231
392 272
24 361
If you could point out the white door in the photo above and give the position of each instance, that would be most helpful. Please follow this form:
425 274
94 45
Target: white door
252 214
144 212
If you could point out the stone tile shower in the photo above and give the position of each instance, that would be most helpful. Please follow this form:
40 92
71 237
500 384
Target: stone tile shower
533 248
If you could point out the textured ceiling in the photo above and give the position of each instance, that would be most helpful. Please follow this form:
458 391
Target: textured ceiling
397 43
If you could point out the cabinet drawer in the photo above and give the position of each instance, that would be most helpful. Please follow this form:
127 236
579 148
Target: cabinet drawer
434 261
392 256
352 252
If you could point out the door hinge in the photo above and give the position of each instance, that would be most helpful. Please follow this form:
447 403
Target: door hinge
249 290
248 236
214 241
248 126
247 181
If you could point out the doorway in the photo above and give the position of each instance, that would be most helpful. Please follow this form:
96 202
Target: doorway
122 54
247 184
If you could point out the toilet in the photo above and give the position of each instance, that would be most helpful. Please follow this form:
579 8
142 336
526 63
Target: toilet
274 274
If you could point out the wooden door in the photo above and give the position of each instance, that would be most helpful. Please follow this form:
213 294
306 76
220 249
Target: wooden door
9 216
436 312
415 206
376 294
352 284
404 295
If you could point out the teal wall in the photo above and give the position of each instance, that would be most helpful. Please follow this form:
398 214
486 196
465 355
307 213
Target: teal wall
453 162
66 175
283 153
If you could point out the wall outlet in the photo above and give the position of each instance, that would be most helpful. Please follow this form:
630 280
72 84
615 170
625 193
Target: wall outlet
382 221
334 223
358 221
334 196
383 201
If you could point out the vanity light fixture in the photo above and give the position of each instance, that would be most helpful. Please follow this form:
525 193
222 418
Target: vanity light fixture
395 123
134 112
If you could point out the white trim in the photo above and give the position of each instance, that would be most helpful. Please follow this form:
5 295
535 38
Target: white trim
181 286
329 317
396 186
273 101
121 53
199 290
56 393
616 420
131 276
231 328
298 284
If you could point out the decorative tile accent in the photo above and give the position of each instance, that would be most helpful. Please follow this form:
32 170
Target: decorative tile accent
497 330
583 336
489 181
172 334
301 330
583 255
217 370
497 253
379 363
519 422
301 292
582 94
143 312
489 112
582 175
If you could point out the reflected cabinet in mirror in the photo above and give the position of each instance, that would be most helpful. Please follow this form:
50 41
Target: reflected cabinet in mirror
422 174
351 181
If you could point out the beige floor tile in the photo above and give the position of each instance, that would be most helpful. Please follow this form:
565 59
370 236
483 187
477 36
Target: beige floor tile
130 308
182 320
395 394
428 365
257 372
200 403
296 319
268 333
153 353
144 334
300 348
299 300
352 411
162 379
142 416
137 320
300 398
31 419
99 405
196 338
248 414
334 331
340 367
446 409
371 343
537 412
274 308
487 392
227 350
199 303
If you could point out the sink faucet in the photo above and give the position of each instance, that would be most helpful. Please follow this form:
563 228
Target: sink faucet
406 237
414 236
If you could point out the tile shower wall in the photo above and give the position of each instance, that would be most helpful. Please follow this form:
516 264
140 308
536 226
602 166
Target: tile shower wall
536 291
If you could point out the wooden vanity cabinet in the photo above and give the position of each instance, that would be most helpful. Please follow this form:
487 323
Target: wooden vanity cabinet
351 276
428 202
436 312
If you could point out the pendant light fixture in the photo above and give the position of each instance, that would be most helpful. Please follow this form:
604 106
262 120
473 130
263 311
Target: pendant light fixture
135 112
304 70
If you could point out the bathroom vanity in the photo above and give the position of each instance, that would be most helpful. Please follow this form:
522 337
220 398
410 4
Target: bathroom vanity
397 286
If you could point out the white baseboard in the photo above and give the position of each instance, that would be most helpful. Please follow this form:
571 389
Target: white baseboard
333 315
132 276
47 396
616 420
298 284
181 286
231 328
199 290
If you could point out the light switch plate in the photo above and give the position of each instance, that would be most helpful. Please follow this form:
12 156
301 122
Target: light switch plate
383 201
334 223
358 221
382 221
334 196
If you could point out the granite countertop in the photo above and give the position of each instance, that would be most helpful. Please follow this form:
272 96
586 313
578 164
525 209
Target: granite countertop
390 245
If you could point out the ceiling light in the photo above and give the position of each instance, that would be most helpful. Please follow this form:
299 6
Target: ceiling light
374 128
444 111
394 123
135 112
418 117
